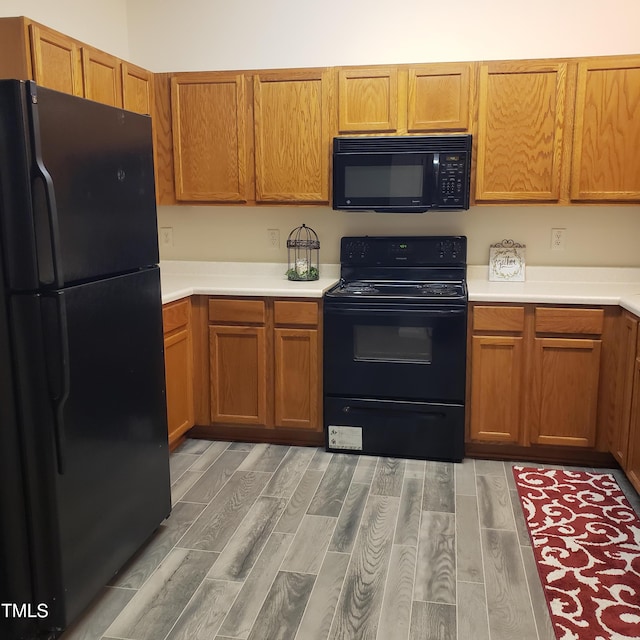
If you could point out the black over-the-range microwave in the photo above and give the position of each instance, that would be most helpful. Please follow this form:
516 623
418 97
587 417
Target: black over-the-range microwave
401 174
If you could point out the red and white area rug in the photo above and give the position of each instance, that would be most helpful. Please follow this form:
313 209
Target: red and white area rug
586 542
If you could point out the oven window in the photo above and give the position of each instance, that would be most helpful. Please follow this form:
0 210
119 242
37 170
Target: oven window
392 344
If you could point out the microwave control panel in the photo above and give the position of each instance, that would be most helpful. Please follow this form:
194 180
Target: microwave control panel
452 179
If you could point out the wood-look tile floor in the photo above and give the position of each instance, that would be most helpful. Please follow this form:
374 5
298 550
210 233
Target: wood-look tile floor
294 543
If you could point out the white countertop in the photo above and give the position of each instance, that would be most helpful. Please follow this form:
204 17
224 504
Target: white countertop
180 279
554 285
561 285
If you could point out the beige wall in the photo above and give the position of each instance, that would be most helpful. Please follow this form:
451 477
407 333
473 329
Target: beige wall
596 236
223 34
101 23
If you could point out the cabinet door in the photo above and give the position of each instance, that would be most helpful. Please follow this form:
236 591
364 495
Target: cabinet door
137 89
56 61
178 360
102 77
297 379
520 131
292 136
607 131
368 100
438 97
633 462
179 379
238 367
496 374
627 342
209 137
564 391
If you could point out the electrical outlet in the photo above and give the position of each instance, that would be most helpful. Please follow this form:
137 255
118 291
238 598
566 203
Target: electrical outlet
558 239
166 236
273 237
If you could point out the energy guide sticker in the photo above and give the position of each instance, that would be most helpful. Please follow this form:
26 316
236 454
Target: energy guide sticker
345 438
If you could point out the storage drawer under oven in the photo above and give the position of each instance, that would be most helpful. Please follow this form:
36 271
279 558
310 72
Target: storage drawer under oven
429 431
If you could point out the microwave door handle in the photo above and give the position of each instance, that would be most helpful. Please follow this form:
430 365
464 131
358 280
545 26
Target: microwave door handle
435 194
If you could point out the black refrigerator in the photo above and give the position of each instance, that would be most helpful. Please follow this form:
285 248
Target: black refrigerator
84 464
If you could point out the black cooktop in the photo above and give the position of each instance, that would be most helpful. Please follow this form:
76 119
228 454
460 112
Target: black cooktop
396 268
399 289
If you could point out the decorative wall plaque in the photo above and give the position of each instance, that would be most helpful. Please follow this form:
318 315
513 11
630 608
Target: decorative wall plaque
506 261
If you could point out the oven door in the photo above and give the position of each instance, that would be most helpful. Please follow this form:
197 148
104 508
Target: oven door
398 351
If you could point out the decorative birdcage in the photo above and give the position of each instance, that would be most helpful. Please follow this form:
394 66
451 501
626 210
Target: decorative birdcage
303 253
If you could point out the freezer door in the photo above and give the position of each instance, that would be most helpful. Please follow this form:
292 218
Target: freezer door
105 430
81 197
15 562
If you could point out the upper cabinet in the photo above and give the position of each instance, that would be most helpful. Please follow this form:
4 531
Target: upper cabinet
439 97
521 118
31 51
56 60
606 164
102 77
292 131
405 99
368 100
208 112
137 89
550 131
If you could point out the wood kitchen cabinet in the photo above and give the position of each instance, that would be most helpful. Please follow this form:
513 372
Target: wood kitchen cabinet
439 97
405 99
521 131
56 60
137 89
293 132
178 357
625 437
298 377
497 360
264 370
565 376
368 100
31 51
632 466
619 445
607 130
238 361
102 74
208 113
535 380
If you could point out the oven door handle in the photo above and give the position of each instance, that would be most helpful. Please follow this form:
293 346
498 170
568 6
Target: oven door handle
430 312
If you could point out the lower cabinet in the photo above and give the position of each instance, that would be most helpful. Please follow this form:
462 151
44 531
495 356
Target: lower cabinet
297 358
564 391
264 369
238 362
178 358
619 445
625 444
632 466
534 379
496 372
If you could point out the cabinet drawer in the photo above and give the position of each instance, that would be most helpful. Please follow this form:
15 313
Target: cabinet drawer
292 312
232 310
175 315
588 321
495 318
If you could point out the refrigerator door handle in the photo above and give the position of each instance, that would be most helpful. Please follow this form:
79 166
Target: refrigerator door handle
45 211
58 372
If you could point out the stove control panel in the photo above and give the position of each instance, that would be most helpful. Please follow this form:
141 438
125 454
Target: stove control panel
391 251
